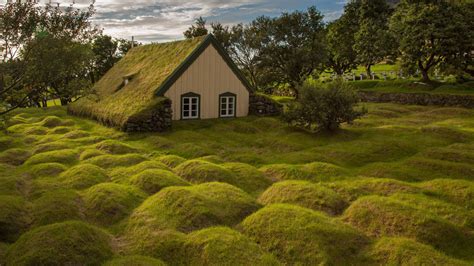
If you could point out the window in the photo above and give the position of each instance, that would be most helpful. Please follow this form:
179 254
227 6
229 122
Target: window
190 104
227 105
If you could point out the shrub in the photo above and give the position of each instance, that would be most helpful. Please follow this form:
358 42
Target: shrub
301 236
112 161
304 194
115 147
135 261
152 181
381 216
56 206
14 156
14 218
68 156
68 243
224 246
324 106
195 207
108 203
403 251
83 176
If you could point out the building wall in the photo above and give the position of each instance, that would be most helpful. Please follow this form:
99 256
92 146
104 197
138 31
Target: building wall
209 76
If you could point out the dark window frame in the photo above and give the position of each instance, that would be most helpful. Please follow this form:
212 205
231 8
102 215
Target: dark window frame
227 94
193 95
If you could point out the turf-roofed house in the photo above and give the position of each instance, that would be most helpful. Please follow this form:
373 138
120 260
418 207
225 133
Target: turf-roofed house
157 83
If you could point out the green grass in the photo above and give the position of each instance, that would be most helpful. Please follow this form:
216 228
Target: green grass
412 86
395 187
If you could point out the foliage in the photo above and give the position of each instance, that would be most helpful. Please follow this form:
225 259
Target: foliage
340 45
197 30
325 107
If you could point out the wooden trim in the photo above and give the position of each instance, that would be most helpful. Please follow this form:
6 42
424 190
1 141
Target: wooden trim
190 94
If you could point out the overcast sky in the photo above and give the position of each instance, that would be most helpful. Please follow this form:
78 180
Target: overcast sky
164 20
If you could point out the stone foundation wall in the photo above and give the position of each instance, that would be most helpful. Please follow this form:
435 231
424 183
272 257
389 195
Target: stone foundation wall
453 100
157 119
264 106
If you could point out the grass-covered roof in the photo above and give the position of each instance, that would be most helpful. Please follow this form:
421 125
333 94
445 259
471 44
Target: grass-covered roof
146 68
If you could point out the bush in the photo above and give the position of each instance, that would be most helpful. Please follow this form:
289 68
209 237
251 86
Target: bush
224 246
83 176
68 243
14 218
153 180
300 236
304 194
325 107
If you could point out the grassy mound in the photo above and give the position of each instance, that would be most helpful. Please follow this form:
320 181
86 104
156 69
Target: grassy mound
171 160
224 246
297 235
403 251
460 192
108 203
316 171
195 207
56 206
51 146
212 159
167 245
135 261
381 216
350 190
122 174
198 171
14 218
52 121
3 253
60 130
443 168
90 153
76 134
83 176
35 130
248 178
46 169
14 156
68 156
115 147
69 243
152 181
453 213
304 194
111 161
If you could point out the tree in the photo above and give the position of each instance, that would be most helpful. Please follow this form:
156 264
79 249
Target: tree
324 107
197 30
373 41
291 46
433 32
340 44
104 48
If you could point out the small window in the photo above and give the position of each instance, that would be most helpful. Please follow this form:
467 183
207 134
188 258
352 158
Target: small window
227 105
190 106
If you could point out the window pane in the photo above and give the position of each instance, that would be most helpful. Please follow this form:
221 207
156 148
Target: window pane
231 106
223 112
195 100
186 107
185 100
194 113
231 99
186 114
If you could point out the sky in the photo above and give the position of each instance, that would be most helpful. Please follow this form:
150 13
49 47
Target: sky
165 20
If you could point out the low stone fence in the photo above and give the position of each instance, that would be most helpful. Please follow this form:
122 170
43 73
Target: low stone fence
466 101
156 119
264 106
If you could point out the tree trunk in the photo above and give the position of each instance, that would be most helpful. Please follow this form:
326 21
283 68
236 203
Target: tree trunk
425 76
45 103
368 71
64 101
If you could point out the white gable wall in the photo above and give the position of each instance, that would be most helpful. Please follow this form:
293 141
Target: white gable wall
209 76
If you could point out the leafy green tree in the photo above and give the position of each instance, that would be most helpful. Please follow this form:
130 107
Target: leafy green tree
104 48
196 30
340 45
324 107
433 32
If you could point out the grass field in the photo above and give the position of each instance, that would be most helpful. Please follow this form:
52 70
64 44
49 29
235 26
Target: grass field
396 187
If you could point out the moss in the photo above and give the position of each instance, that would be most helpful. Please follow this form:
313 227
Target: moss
14 218
171 160
460 192
68 156
297 235
83 176
135 261
381 216
76 134
14 156
56 206
68 243
51 121
112 161
350 190
190 208
248 178
51 146
224 246
123 174
316 171
152 181
7 142
3 253
46 169
90 153
35 130
198 171
114 147
60 130
212 159
108 203
403 251
304 194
